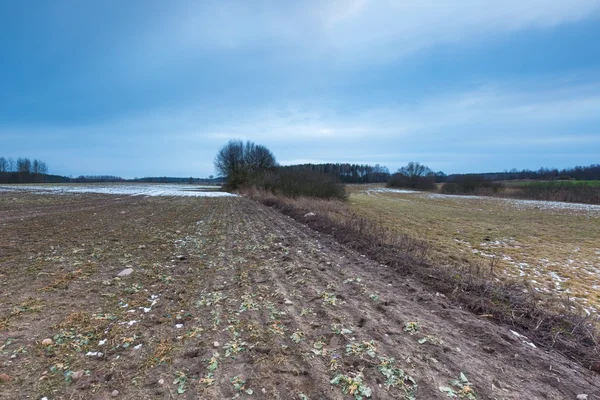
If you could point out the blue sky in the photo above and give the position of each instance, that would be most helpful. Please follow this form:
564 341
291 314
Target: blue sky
146 88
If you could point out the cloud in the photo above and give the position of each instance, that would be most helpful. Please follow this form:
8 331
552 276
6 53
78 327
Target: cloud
468 130
365 31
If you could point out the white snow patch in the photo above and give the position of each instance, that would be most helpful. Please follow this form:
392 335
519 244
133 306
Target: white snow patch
139 189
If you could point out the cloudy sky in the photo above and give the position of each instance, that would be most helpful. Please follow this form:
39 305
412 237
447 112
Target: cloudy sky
145 88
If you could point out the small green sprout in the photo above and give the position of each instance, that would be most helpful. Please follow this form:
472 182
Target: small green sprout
412 328
352 385
358 349
297 337
397 377
465 388
329 298
180 381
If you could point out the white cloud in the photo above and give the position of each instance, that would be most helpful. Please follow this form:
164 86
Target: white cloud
362 31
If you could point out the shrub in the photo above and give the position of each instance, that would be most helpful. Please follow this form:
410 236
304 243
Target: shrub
472 184
296 183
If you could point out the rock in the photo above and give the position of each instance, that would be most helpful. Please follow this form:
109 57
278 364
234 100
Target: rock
178 231
582 397
310 214
47 342
5 378
125 272
142 246
216 344
77 375
161 381
288 301
114 393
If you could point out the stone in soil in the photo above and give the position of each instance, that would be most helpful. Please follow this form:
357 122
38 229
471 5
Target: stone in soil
125 272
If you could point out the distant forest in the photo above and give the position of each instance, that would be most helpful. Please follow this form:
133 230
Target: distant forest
579 173
347 173
358 173
24 170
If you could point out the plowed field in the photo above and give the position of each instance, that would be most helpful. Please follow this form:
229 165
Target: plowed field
230 299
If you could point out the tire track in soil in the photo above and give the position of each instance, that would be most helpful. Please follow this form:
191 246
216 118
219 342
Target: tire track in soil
300 266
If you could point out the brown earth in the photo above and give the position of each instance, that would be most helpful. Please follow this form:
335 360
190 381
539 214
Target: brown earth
290 308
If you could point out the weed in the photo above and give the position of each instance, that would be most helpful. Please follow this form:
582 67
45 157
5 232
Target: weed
357 349
234 347
334 362
306 311
213 362
239 384
297 337
319 348
180 380
208 380
329 298
465 388
209 299
352 385
248 303
397 377
412 328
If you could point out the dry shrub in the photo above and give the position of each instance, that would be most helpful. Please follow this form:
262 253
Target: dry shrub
569 332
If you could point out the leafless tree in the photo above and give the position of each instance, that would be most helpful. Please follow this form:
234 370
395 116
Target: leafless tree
11 165
238 161
3 165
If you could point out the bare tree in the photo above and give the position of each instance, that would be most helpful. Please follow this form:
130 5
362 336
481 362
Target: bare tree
238 162
35 167
43 168
415 169
11 165
3 165
415 176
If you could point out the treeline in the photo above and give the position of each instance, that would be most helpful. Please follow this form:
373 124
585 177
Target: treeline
347 173
167 179
591 172
23 170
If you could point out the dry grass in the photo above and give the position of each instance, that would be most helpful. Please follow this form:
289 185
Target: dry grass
555 251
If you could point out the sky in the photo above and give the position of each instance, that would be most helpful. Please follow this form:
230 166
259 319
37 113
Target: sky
154 88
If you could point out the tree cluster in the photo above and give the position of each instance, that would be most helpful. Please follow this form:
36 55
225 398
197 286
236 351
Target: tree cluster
240 162
591 172
347 173
414 176
23 170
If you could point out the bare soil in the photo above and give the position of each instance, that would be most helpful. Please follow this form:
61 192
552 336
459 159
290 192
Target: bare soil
230 299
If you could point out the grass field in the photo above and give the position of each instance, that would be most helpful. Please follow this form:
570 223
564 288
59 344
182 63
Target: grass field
554 247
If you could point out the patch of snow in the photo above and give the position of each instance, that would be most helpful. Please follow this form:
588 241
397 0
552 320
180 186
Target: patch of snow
139 189
389 190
